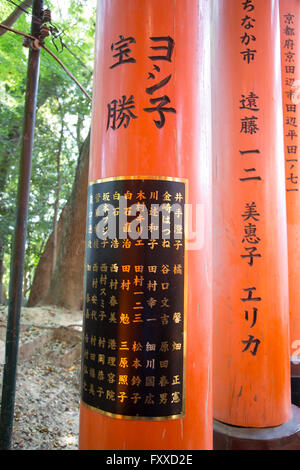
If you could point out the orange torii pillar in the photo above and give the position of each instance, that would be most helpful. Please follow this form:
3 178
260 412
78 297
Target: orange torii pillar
290 65
251 379
146 355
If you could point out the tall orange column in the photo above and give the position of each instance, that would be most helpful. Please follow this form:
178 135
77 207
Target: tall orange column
251 324
290 65
146 364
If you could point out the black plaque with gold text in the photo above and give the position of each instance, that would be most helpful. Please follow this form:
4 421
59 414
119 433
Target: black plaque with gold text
134 340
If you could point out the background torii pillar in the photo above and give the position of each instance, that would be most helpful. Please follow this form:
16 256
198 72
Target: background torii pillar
251 379
290 48
146 373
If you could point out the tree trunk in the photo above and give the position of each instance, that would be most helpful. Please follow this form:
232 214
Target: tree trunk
56 204
42 276
66 288
1 271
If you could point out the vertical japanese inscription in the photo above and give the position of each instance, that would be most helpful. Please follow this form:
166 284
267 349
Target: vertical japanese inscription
250 155
134 318
289 44
248 36
121 111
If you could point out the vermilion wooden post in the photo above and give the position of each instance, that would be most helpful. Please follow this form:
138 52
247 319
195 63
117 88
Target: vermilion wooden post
290 65
251 324
146 374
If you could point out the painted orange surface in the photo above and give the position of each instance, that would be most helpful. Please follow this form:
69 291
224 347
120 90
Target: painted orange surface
181 148
290 47
251 378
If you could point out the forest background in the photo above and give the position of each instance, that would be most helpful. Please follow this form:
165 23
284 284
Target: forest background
54 260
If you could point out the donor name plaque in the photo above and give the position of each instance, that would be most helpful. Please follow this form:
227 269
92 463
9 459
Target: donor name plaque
134 338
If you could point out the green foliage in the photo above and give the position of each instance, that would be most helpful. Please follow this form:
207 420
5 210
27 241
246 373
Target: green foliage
60 103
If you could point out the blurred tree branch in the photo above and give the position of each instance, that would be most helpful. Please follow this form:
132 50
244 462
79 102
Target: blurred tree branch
17 12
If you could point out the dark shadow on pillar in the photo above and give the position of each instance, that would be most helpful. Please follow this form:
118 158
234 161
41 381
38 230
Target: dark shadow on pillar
295 383
284 437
